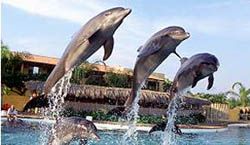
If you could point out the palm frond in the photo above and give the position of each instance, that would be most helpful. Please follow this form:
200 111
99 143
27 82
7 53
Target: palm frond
239 84
232 93
248 92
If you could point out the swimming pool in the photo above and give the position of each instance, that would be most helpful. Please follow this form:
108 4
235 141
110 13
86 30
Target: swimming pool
233 136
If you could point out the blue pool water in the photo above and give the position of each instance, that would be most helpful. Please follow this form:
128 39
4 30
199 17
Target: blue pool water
233 136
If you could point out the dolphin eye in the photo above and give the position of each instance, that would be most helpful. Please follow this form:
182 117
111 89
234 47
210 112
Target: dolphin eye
206 63
177 32
107 13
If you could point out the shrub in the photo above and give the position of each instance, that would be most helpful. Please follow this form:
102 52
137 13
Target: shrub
192 119
5 90
117 80
214 98
167 85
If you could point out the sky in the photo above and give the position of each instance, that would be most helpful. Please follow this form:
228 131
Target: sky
222 28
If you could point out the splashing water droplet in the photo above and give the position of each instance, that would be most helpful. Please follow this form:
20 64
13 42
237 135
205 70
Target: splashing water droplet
130 137
56 108
169 137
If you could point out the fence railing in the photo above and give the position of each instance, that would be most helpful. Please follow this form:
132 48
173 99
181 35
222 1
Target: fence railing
216 112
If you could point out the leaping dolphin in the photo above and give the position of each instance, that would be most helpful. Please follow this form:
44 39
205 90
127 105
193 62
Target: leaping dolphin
152 54
95 33
68 129
194 69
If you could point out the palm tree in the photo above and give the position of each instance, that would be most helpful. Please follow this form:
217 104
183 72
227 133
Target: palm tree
9 60
243 93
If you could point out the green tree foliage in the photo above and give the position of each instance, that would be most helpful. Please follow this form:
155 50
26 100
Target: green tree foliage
117 80
167 84
232 102
81 73
214 98
5 90
9 61
104 116
12 78
242 93
85 74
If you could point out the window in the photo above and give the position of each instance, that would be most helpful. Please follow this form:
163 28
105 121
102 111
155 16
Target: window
153 85
35 70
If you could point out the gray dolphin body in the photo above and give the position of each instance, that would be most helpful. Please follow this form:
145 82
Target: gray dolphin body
152 54
68 129
17 124
95 33
194 69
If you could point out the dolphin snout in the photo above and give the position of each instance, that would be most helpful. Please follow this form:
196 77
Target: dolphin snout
127 11
187 35
214 67
98 138
95 136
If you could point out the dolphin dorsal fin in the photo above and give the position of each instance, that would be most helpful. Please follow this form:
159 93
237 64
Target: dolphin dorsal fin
183 59
108 48
210 81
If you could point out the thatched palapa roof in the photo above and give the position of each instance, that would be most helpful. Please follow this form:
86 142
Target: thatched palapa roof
121 94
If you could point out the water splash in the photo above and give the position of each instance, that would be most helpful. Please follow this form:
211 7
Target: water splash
130 137
169 137
56 102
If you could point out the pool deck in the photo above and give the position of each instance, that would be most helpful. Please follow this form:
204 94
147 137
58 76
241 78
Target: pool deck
121 126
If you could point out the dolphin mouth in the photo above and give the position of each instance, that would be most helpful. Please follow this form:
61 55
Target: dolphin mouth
97 137
127 11
187 35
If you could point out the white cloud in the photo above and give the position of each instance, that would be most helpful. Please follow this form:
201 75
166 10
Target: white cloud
75 10
80 12
134 31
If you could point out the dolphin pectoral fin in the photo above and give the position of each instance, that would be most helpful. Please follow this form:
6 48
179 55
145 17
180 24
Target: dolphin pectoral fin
210 81
108 48
195 82
177 54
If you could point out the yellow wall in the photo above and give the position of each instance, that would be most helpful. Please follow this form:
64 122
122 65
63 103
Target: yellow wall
16 100
234 114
